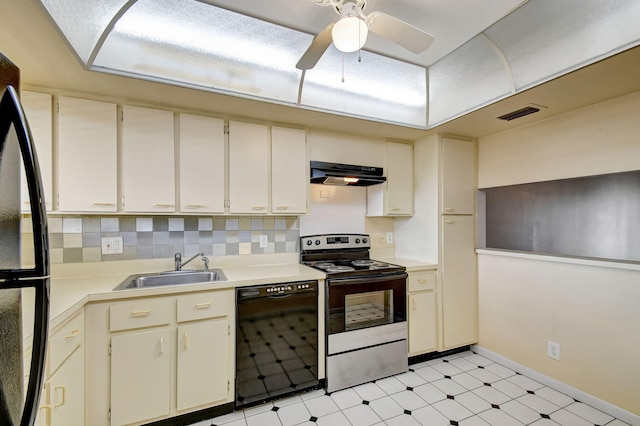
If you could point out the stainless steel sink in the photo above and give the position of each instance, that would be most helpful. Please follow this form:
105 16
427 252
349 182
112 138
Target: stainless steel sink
170 278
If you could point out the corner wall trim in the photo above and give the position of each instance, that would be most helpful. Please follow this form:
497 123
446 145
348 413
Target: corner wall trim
604 406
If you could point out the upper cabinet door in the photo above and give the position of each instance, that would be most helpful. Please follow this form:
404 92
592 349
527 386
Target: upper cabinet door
458 176
399 179
202 162
87 155
248 168
289 171
37 108
148 177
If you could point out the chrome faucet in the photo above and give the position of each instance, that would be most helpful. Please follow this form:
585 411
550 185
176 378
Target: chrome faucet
179 264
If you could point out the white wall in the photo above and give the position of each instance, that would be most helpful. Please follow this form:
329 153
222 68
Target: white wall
592 311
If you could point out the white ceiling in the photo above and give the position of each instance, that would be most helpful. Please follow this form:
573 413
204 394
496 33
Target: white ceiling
452 23
47 63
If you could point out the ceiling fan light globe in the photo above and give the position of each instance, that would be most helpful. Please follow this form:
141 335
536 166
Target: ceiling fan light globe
349 34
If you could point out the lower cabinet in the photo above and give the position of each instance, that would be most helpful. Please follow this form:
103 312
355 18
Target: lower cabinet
62 398
140 376
422 313
459 282
166 356
202 344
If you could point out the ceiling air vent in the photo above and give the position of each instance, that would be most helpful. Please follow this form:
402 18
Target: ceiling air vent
529 109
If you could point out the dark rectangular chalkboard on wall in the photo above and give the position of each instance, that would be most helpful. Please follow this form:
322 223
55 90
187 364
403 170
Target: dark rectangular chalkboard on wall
594 216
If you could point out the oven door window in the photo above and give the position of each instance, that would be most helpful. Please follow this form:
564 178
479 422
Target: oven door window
357 303
362 310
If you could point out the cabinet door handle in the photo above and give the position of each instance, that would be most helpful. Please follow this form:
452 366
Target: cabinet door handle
413 304
449 210
162 344
257 208
73 334
203 305
395 209
449 222
193 206
282 207
186 340
64 395
163 205
141 313
422 280
103 204
48 415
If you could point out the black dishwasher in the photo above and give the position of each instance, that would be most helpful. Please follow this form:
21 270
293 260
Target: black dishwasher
276 341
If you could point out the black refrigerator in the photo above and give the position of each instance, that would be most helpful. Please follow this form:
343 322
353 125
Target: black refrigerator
19 402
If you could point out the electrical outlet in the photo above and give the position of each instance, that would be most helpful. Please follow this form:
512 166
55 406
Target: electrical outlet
553 350
389 237
112 245
264 241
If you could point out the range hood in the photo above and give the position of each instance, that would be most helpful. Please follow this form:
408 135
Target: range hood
345 174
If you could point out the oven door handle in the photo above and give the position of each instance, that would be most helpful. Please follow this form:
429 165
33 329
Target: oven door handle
369 279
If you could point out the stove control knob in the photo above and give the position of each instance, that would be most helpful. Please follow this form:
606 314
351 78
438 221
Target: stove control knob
317 242
364 240
309 242
357 240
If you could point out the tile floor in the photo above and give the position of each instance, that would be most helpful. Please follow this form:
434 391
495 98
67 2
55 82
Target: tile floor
464 389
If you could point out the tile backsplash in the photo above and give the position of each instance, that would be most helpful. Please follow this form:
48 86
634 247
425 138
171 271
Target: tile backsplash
78 238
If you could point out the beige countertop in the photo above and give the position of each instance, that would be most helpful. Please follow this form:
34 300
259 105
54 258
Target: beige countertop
75 285
411 264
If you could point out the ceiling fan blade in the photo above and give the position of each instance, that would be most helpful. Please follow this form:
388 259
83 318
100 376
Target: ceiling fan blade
399 32
318 46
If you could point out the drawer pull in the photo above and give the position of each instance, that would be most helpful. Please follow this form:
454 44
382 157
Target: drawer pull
449 210
193 206
395 209
141 313
257 208
449 222
422 280
63 393
103 204
73 334
163 205
204 305
282 207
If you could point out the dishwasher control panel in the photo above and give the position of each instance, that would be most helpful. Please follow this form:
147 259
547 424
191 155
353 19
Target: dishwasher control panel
277 289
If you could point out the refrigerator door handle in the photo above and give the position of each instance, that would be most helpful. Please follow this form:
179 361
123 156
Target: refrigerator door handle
11 113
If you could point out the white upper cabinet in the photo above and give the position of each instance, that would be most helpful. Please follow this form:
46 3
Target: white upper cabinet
248 168
87 155
458 176
148 177
395 196
202 164
289 171
37 108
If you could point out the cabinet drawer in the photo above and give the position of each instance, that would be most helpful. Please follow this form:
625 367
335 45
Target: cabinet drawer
422 281
139 313
64 341
199 306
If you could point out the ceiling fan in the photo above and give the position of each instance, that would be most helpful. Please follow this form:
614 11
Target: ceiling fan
349 33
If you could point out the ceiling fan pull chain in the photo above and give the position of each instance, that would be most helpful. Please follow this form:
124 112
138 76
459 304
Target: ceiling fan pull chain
359 40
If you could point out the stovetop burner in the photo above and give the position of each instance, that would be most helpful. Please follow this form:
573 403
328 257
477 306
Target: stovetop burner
342 255
339 268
